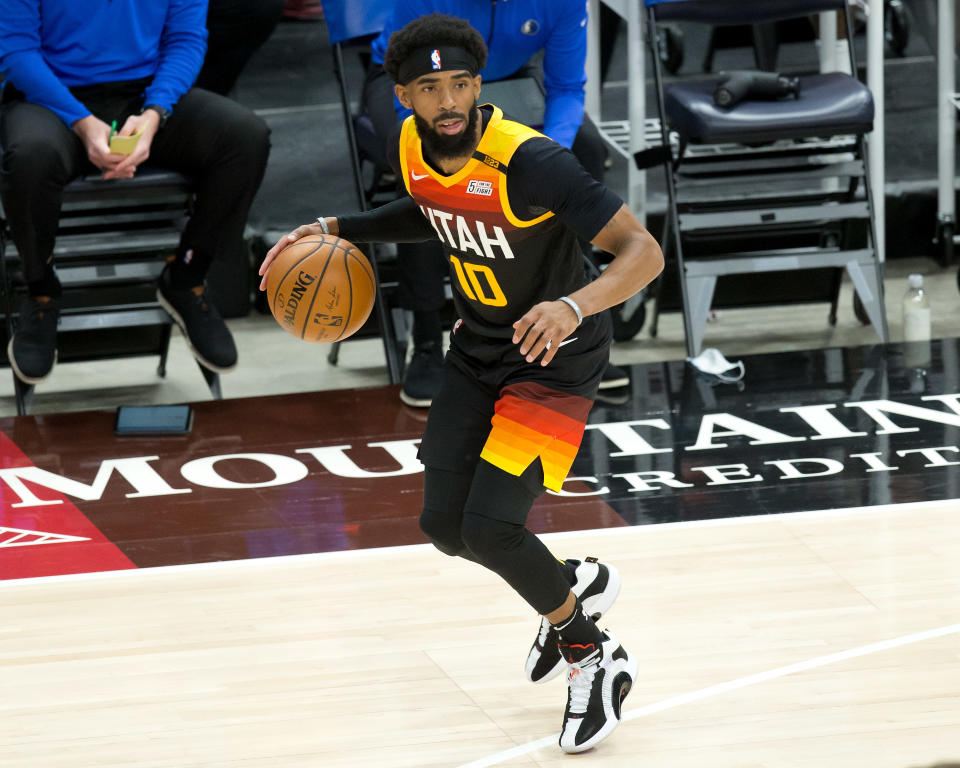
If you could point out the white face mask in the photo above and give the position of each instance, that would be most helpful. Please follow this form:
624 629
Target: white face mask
713 362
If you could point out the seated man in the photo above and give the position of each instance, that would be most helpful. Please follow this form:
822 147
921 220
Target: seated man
516 33
73 70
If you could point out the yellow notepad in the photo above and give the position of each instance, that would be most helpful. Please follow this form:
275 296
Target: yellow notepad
124 145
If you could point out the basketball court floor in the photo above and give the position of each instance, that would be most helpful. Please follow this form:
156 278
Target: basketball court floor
257 593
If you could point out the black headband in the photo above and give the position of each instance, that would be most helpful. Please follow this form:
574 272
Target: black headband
423 61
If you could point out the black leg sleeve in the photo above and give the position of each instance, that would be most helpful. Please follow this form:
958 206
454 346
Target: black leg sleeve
494 531
444 496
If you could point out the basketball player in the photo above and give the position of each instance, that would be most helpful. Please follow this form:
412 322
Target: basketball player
525 360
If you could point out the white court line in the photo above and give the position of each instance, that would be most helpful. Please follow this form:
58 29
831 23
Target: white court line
377 552
730 685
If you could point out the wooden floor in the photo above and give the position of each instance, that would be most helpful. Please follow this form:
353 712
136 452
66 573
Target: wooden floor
827 639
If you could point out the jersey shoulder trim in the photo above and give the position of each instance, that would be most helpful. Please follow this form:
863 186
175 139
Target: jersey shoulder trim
408 128
500 144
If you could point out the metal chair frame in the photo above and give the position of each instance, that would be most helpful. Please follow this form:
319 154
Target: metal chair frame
112 242
695 216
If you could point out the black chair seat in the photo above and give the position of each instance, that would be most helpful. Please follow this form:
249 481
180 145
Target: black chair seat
144 179
830 104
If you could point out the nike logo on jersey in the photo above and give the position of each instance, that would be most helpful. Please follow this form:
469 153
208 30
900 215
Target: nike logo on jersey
417 176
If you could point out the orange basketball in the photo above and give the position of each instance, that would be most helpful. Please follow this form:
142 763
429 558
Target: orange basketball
321 288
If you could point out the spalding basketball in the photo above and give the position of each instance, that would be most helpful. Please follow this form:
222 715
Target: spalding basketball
321 288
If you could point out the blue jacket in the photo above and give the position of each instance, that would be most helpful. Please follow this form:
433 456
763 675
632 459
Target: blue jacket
519 29
49 46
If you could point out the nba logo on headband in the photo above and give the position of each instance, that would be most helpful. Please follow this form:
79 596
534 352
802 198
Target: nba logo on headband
435 58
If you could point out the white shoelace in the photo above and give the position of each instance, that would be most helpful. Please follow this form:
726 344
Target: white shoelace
580 680
544 631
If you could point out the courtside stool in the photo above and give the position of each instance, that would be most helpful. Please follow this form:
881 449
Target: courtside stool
113 241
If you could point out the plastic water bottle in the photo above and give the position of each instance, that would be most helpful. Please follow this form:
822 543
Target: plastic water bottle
916 324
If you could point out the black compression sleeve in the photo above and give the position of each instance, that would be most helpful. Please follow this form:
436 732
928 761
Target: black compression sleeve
399 221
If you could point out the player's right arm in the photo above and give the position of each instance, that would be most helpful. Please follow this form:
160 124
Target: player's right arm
399 221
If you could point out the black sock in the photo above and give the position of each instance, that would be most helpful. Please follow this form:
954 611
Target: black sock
186 271
579 629
48 285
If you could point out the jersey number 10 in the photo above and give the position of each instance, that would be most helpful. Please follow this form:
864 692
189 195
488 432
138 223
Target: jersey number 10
472 287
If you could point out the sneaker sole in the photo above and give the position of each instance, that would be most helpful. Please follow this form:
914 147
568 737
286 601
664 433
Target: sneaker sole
415 402
632 668
595 606
614 383
31 380
168 308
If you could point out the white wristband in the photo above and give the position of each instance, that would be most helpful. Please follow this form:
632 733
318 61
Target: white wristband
323 225
573 305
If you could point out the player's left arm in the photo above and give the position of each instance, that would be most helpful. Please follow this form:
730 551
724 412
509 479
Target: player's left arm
547 176
637 260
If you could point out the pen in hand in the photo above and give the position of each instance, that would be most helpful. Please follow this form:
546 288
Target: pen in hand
113 130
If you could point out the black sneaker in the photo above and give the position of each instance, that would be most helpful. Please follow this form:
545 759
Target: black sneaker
614 377
207 335
422 381
599 680
33 348
597 585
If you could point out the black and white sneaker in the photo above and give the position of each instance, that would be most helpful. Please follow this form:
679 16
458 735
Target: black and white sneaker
598 681
597 585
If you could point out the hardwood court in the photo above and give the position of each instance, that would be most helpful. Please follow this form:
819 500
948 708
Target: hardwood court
403 657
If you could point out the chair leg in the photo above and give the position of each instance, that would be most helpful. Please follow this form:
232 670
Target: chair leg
835 300
333 356
697 309
213 381
164 349
24 395
869 286
655 319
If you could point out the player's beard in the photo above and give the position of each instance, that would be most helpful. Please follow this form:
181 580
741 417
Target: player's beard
442 146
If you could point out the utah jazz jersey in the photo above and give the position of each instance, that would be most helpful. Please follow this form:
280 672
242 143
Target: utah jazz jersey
500 264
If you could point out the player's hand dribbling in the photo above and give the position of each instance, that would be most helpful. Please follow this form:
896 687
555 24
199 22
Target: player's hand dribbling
283 242
542 329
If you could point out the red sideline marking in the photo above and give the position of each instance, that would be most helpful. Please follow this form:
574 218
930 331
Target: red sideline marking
53 558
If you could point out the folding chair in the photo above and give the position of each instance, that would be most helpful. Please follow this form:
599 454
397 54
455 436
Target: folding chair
112 243
353 22
767 186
